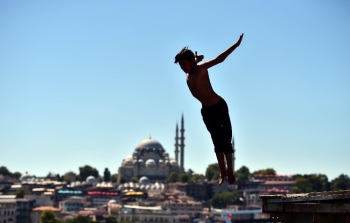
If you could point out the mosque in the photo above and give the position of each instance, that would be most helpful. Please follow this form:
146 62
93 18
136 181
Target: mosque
151 162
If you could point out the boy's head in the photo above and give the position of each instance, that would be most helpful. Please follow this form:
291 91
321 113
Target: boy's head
186 59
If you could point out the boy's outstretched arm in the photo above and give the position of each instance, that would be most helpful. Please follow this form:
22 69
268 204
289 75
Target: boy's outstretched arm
223 55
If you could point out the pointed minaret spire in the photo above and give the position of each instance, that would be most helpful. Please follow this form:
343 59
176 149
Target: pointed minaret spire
233 154
182 142
177 143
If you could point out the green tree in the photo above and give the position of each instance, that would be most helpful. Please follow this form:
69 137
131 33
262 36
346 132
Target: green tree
134 180
16 175
66 178
196 177
342 182
21 192
302 185
265 171
319 182
4 171
114 178
107 175
47 216
212 172
80 219
122 180
86 171
111 219
311 183
174 177
184 177
242 174
222 199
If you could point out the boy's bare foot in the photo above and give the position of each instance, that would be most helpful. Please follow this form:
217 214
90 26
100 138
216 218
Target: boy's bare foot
222 178
231 178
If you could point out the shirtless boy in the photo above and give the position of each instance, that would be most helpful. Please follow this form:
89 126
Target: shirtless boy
214 108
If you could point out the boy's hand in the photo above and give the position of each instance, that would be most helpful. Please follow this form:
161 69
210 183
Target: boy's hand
198 58
240 39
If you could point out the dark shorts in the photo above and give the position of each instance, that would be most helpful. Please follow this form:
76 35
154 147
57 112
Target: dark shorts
217 121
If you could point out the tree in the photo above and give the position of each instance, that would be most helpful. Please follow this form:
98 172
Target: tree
114 178
4 171
265 171
58 177
311 183
302 185
196 177
122 180
80 219
174 177
16 175
47 216
242 174
340 183
134 180
184 177
21 192
222 199
212 172
86 171
107 175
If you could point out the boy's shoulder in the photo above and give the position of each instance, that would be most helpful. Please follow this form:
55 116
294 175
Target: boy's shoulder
201 69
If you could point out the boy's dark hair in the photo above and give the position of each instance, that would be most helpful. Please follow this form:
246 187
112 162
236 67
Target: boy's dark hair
184 54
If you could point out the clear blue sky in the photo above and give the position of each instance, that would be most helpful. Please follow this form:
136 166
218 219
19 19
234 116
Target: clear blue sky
83 82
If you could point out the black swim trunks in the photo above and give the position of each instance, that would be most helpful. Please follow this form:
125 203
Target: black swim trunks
217 121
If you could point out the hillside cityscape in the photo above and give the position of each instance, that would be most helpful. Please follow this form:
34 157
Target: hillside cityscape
150 186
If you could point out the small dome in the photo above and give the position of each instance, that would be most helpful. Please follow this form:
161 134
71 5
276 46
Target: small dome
173 162
26 177
91 180
140 161
128 161
151 163
144 180
112 202
69 172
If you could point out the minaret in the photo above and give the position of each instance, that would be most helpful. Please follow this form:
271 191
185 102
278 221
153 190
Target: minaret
233 154
182 143
177 144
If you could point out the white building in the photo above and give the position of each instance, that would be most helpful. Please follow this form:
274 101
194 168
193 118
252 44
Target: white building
7 209
138 214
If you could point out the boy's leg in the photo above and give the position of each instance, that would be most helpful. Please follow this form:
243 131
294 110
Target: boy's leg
230 176
221 161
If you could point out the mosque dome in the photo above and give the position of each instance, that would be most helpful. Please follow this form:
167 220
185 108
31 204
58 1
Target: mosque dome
149 143
69 172
128 161
91 180
26 177
151 163
144 180
141 162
